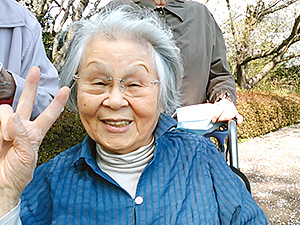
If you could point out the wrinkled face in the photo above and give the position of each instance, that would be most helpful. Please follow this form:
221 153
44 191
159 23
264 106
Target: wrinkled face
118 94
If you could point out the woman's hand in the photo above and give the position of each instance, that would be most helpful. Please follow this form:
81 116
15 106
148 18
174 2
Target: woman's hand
226 110
20 139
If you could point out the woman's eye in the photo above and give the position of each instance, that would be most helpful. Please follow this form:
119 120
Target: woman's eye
100 83
134 84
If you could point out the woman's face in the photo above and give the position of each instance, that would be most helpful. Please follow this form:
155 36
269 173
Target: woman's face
120 121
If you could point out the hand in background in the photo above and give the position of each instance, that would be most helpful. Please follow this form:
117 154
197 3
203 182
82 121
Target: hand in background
20 139
226 110
7 84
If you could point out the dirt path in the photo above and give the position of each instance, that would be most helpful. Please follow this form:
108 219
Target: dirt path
272 164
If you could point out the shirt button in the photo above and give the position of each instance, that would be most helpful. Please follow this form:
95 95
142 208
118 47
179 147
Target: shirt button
138 200
160 11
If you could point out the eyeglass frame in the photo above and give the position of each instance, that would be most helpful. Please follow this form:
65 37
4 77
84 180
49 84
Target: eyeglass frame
111 80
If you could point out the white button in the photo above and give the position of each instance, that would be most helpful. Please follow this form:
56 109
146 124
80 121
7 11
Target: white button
138 200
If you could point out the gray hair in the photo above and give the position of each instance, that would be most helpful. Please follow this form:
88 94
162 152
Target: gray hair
139 24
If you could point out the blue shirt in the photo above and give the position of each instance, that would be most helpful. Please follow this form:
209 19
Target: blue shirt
186 182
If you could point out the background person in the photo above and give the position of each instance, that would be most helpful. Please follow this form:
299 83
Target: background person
21 47
207 76
132 168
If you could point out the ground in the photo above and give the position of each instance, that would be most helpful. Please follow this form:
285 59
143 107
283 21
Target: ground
272 164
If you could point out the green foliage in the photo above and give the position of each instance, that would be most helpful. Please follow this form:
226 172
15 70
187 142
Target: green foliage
48 44
64 133
266 112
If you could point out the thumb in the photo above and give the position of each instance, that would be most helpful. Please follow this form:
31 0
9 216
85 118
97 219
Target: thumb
239 119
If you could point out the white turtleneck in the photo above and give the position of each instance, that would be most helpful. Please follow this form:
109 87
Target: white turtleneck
125 169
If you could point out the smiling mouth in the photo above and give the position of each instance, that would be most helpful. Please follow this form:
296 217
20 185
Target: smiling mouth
117 123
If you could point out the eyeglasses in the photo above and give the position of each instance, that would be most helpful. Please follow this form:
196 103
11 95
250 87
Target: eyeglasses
131 86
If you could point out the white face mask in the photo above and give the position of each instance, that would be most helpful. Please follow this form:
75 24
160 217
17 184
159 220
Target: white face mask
196 118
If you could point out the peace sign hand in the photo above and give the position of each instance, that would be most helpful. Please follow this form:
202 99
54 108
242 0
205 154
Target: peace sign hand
20 139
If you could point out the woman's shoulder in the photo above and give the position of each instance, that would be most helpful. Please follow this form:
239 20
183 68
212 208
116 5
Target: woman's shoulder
60 161
188 140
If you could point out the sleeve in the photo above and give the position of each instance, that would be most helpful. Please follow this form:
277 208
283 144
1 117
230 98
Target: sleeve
35 55
236 205
12 217
221 80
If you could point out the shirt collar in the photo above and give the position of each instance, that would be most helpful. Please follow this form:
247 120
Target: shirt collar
165 123
177 7
86 154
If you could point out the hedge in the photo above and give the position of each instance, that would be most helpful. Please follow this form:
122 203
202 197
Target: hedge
64 133
266 112
263 113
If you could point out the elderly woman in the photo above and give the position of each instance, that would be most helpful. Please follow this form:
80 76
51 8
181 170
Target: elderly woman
132 168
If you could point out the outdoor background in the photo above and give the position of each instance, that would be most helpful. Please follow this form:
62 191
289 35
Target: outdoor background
263 43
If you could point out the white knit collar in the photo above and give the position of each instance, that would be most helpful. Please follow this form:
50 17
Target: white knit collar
129 160
125 169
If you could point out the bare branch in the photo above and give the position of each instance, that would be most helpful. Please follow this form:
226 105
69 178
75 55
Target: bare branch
232 28
267 68
80 9
95 9
273 8
285 44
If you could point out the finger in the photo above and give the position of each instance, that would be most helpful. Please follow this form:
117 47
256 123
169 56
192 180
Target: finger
217 115
239 119
52 112
215 119
17 132
23 158
6 112
26 101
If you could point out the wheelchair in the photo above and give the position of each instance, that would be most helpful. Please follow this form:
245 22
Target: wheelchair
197 119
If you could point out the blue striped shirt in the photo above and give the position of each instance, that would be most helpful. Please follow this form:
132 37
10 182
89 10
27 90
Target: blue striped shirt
186 182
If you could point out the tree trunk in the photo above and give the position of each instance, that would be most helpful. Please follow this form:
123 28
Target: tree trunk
263 72
242 74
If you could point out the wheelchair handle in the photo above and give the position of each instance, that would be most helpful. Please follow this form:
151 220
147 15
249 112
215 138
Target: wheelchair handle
233 144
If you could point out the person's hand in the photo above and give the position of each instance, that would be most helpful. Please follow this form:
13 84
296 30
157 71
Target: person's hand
226 110
20 139
7 84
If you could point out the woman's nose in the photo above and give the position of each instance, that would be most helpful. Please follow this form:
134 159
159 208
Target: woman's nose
115 98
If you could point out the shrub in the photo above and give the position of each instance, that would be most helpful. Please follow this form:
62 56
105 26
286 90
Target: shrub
266 112
64 133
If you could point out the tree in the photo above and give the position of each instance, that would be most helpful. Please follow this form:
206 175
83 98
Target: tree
260 38
54 16
265 36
